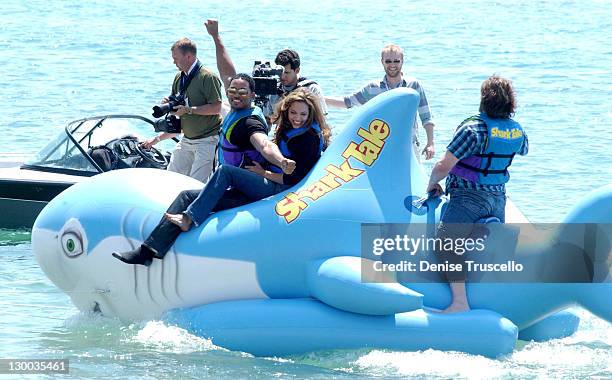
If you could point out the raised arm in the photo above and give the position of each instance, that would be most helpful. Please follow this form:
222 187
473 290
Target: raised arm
224 62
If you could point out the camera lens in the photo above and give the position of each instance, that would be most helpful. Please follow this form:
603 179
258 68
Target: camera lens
162 109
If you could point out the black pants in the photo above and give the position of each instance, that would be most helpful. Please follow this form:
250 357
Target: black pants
165 233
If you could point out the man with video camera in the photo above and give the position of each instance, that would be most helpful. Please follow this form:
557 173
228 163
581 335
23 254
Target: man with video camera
269 90
290 80
194 109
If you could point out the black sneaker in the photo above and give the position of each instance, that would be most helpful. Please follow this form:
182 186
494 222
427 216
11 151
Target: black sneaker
136 256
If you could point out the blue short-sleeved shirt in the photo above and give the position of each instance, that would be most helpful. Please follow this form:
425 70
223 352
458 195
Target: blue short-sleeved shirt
374 88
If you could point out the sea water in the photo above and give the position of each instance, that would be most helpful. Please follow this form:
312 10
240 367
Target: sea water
64 60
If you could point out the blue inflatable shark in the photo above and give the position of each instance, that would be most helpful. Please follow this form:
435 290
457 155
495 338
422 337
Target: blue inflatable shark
283 275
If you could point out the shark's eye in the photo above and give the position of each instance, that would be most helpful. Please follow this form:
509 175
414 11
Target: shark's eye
71 244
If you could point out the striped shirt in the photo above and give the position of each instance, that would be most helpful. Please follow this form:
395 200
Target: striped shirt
369 91
471 138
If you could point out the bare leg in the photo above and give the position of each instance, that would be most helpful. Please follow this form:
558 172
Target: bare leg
181 220
460 302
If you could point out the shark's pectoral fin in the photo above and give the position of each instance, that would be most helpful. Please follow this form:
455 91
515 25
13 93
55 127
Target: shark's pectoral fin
338 282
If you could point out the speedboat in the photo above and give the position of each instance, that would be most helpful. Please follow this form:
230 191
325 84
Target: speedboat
84 148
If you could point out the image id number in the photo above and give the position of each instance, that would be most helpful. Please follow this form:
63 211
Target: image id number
33 366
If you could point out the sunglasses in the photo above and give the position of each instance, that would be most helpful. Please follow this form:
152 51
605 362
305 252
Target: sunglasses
388 61
233 91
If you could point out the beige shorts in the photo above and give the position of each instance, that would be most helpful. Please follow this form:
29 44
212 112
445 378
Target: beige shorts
194 158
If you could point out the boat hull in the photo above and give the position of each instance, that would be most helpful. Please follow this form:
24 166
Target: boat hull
22 200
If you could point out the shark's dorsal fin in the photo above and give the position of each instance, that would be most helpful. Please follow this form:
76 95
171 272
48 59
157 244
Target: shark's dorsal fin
369 163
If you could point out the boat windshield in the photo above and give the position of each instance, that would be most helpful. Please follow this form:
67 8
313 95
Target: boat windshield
69 151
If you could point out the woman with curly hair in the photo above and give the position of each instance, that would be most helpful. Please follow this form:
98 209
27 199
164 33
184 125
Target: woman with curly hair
302 134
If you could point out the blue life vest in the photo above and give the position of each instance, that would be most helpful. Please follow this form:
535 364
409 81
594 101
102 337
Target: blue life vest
231 154
505 138
283 144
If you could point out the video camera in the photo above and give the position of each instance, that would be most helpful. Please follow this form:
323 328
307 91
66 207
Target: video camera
266 81
169 123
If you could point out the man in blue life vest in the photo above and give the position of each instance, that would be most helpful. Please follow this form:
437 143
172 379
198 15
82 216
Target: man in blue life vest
245 121
476 169
244 139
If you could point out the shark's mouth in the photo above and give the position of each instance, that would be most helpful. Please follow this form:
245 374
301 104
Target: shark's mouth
96 308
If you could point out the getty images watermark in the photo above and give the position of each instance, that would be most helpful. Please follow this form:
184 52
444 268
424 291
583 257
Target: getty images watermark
494 252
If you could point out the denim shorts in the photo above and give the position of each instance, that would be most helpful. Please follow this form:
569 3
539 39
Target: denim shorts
468 206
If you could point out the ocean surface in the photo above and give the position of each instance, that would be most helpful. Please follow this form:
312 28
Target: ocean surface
64 60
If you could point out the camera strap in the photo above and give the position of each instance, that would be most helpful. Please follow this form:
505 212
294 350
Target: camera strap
185 80
304 82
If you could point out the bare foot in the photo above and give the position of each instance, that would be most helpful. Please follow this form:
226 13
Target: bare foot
459 301
457 307
181 220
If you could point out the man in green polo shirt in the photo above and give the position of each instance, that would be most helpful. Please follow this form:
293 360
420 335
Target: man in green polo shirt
200 116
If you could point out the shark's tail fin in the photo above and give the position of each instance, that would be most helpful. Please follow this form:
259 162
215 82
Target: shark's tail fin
589 227
595 207
589 224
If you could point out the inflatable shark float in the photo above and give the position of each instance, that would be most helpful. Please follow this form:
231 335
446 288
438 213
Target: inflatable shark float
283 275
